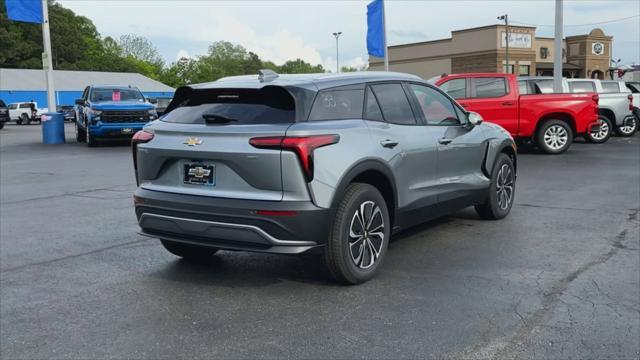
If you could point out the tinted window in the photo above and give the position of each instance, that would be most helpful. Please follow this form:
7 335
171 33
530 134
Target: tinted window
13 106
456 88
582 86
116 94
523 87
436 108
268 105
394 104
490 87
610 87
25 106
372 110
337 105
635 88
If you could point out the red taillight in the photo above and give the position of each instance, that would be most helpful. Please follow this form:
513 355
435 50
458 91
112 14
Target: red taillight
303 146
630 97
140 137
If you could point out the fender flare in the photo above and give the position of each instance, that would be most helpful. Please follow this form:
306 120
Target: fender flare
495 147
359 168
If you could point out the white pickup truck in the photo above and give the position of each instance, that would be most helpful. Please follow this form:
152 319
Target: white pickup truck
21 112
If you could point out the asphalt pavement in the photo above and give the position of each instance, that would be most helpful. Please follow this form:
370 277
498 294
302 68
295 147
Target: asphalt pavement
558 278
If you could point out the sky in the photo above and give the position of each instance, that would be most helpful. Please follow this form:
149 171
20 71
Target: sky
286 30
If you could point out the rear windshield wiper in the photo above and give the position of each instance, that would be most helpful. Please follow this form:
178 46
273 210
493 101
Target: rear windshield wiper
217 119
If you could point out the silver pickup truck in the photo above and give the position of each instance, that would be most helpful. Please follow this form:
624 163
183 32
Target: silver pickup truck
616 104
634 86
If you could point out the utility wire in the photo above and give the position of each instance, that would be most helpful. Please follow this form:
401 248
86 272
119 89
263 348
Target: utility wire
574 25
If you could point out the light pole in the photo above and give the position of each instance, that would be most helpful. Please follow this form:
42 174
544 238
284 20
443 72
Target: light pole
505 17
337 35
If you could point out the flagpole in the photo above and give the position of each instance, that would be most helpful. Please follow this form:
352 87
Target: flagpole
47 60
384 34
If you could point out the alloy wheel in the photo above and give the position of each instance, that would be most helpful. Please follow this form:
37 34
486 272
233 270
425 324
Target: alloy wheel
366 235
504 187
629 127
602 133
556 137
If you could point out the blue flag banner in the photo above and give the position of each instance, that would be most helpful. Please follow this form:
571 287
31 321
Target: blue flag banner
375 28
25 10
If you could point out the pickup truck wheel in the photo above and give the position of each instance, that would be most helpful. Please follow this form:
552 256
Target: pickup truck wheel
91 140
603 134
501 191
25 119
81 135
629 128
554 137
359 237
188 251
1 124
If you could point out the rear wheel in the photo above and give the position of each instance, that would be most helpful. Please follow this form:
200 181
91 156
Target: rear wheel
628 128
91 140
81 135
25 119
1 124
501 192
188 251
554 137
360 235
604 132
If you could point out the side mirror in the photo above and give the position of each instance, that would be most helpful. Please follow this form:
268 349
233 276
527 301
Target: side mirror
152 100
474 118
80 102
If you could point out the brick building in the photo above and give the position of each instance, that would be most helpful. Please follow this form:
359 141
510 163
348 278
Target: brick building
482 49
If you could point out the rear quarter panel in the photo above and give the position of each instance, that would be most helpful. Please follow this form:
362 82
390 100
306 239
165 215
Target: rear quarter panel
580 107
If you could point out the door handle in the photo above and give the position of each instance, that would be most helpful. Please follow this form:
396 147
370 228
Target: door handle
507 103
445 141
388 143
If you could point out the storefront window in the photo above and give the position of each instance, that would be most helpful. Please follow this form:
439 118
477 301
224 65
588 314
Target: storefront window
524 70
544 53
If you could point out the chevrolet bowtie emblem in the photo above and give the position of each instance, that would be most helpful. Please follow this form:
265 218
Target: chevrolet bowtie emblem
192 141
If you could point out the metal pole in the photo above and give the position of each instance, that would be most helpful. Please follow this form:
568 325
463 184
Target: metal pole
506 22
557 57
337 35
384 30
47 61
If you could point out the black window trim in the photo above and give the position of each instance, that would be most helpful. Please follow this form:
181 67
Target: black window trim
454 103
474 94
418 119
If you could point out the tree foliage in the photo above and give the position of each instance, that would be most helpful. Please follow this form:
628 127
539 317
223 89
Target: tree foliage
77 45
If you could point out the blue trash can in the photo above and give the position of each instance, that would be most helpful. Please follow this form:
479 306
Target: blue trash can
53 128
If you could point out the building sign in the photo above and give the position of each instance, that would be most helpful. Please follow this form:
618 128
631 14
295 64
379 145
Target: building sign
517 40
597 48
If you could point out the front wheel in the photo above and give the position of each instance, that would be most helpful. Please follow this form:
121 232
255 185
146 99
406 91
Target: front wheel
91 140
554 137
25 119
604 132
81 134
501 191
360 235
188 251
628 128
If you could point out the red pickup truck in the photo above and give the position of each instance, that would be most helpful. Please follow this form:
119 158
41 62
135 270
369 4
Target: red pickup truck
550 120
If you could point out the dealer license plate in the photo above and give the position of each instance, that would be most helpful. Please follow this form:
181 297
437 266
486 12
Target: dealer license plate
200 174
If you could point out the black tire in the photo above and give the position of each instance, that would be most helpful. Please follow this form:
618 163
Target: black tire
91 140
19 122
628 130
81 135
1 124
554 136
348 262
603 135
188 251
25 119
499 202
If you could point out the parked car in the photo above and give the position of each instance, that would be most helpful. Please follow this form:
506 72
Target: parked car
616 105
111 112
68 111
21 112
4 114
330 163
634 87
549 120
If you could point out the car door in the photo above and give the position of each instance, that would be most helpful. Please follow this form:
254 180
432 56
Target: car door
404 144
495 101
460 147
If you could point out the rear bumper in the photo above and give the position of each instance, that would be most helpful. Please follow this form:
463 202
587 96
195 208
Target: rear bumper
232 224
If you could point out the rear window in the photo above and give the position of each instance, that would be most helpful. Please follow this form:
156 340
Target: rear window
610 87
582 86
489 87
338 104
269 105
635 88
544 86
456 88
25 106
523 87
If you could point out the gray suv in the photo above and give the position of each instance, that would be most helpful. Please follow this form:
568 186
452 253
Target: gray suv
324 163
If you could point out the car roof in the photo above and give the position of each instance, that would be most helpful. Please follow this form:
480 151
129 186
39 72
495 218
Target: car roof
320 81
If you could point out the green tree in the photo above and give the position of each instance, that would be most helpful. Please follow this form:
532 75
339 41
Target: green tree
299 66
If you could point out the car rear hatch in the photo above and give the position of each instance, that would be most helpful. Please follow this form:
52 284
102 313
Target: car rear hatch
201 147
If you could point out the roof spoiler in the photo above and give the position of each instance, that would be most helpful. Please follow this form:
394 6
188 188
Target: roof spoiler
267 75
